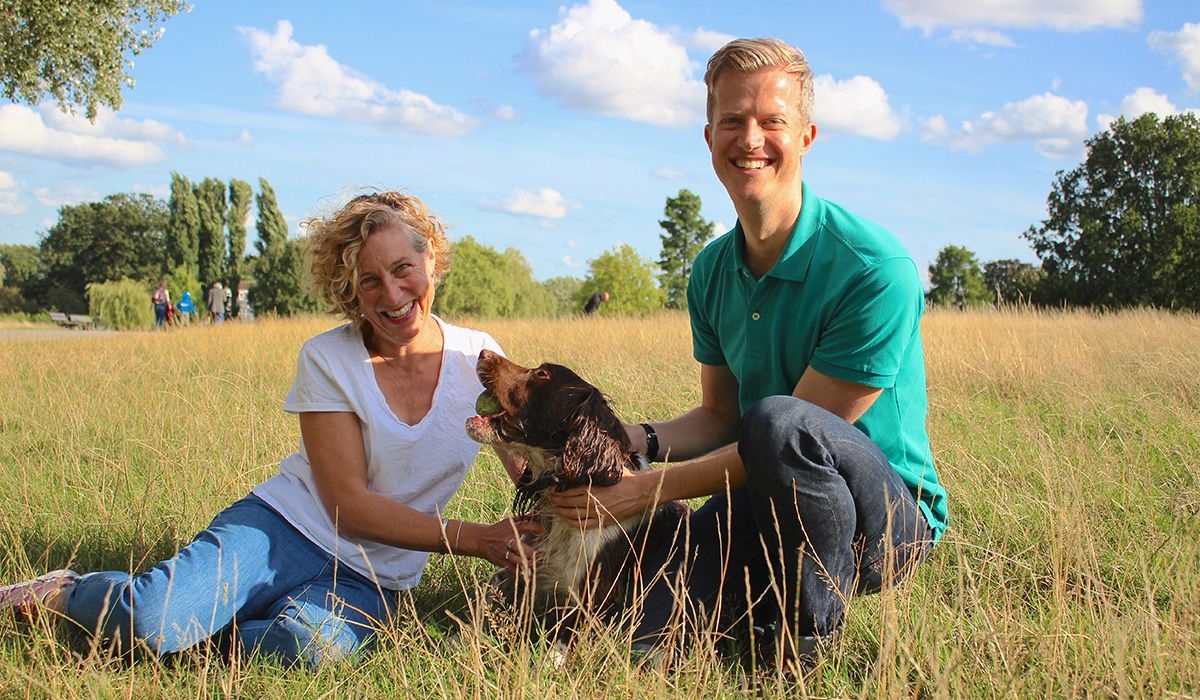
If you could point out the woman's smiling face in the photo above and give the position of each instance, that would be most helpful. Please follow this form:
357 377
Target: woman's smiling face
395 288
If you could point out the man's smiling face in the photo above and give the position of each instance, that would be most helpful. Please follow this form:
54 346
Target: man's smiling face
757 135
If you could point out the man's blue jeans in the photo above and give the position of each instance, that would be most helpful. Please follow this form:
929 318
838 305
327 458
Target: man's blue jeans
251 580
822 516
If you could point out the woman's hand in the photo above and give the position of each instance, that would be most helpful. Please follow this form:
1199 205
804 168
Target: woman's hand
506 543
588 507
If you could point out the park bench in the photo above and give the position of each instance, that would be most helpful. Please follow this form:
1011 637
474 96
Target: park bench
61 319
71 320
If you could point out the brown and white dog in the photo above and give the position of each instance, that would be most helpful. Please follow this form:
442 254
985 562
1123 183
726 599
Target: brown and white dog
569 436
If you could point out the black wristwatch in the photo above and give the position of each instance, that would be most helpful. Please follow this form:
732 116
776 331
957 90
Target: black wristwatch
651 442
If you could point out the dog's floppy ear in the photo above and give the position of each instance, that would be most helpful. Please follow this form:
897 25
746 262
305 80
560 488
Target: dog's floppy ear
590 454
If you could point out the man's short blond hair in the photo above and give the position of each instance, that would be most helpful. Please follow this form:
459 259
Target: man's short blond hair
753 55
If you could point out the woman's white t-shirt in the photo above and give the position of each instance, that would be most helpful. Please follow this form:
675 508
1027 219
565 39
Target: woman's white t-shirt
418 465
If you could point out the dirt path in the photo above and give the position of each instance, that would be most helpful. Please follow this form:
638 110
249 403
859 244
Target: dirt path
43 334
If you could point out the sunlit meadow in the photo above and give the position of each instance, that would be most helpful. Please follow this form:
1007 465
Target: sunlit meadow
1069 443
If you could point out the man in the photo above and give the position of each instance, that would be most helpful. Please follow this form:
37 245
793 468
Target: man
593 303
216 303
810 437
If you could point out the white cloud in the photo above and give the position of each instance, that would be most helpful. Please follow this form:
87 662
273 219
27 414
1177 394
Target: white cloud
544 204
1137 103
505 113
983 37
570 262
48 133
63 196
1063 15
310 81
708 41
1056 126
667 173
858 105
598 59
975 21
245 138
10 195
1185 45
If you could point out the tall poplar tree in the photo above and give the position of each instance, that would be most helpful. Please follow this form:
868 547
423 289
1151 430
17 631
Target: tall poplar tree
280 265
210 198
241 195
182 239
686 234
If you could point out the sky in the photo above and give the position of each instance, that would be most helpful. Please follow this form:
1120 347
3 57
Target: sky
561 129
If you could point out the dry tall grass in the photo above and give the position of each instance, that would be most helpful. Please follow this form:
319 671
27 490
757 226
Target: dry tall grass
1068 442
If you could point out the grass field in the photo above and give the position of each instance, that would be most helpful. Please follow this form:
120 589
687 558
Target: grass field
1069 443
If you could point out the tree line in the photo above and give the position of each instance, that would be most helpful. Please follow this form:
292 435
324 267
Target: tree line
1123 229
196 238
199 236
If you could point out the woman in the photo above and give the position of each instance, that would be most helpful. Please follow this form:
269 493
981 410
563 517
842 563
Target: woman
308 566
161 298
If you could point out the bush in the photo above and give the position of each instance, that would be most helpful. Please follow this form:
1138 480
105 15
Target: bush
121 306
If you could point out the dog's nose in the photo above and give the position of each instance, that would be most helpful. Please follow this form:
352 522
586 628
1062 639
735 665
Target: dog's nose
486 354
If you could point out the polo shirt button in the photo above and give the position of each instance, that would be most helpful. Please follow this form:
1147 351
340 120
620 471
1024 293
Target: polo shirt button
755 316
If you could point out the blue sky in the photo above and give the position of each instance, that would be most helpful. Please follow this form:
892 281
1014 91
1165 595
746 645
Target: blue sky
561 129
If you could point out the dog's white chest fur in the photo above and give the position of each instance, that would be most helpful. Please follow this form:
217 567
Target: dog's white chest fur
567 552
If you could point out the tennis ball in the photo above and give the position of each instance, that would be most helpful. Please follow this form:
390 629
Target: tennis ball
487 404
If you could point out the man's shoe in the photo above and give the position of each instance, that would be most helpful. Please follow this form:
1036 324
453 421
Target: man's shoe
793 658
46 592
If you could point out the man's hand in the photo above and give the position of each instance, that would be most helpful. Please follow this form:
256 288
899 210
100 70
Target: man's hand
588 507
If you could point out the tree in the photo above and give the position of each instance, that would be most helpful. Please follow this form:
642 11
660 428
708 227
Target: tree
279 269
210 198
530 299
21 263
240 197
956 279
477 286
627 277
182 240
120 305
76 52
686 234
120 237
564 291
1123 228
1011 281
484 283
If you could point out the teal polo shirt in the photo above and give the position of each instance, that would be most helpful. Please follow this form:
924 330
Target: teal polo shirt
845 298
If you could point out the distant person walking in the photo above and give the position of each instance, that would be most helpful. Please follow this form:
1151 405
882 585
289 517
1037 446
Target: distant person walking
161 299
185 307
216 303
593 304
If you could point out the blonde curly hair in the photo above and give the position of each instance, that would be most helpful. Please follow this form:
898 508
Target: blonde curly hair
334 242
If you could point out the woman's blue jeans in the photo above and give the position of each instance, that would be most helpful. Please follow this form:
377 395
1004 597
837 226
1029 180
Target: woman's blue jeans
251 581
822 516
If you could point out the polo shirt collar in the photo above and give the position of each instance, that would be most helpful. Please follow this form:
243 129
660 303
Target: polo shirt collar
794 260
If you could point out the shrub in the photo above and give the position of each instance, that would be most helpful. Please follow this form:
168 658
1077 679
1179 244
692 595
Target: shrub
121 306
